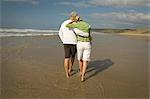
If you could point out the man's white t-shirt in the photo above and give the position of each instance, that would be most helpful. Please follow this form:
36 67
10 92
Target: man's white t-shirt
67 35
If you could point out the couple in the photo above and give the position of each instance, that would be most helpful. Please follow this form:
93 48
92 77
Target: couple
75 35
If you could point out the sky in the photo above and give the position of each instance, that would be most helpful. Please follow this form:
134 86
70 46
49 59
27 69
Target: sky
49 14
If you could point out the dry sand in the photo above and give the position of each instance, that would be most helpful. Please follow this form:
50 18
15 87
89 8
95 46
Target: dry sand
32 68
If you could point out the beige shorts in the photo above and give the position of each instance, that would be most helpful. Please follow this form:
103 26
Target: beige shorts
84 51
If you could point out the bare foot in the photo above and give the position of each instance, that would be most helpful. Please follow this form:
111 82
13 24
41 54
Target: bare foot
80 74
70 70
68 75
82 79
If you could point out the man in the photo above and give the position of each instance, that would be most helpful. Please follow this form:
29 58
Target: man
69 41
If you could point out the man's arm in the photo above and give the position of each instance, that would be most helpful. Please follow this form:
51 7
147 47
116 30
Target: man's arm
60 34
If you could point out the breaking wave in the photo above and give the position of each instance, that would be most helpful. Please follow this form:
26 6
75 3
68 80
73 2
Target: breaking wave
26 32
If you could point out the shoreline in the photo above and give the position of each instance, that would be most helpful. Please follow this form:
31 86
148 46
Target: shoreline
131 34
36 35
144 32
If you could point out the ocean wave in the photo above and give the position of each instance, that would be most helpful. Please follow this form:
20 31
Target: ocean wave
4 32
15 35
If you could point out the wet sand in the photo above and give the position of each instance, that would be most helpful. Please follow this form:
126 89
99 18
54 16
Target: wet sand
32 68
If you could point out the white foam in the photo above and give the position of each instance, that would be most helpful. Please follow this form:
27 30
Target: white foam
13 35
2 30
26 32
99 33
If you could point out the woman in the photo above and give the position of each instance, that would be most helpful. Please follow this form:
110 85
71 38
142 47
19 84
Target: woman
82 30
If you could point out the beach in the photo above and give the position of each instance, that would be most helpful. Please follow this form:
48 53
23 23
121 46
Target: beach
32 68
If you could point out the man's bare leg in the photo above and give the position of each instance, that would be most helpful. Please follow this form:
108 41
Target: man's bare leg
71 63
66 66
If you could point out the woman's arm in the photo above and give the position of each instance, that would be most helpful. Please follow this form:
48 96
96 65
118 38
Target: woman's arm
71 25
81 33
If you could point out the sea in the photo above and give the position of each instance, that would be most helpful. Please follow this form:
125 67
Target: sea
4 32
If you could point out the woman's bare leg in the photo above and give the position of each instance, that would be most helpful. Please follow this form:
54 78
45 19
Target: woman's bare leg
81 67
84 69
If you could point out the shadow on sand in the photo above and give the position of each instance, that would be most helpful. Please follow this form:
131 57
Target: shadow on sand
97 66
